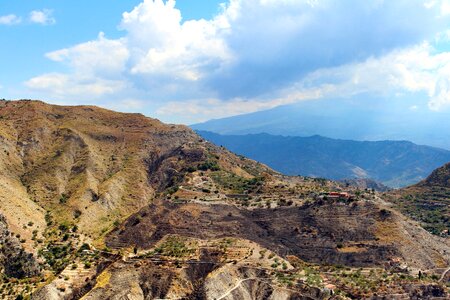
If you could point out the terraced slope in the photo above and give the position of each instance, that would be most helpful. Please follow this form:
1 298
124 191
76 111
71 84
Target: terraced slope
428 201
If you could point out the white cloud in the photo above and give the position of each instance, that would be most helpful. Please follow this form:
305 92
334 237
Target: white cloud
64 86
162 45
10 20
441 95
413 70
43 17
102 57
418 69
257 54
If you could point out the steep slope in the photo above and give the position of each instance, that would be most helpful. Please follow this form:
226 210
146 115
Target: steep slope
393 163
123 206
68 174
428 201
440 177
87 165
15 261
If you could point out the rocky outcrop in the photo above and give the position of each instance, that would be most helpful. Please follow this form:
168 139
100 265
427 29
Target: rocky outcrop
14 260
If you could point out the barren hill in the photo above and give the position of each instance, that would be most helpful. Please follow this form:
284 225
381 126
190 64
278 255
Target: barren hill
121 206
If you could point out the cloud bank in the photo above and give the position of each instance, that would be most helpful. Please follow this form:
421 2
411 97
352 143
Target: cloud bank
257 54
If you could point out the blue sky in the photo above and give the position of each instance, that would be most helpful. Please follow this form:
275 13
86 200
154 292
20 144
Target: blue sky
189 61
25 44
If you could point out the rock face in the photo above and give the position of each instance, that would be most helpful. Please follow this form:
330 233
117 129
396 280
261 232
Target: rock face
15 261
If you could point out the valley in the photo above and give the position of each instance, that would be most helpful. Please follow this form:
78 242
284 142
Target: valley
392 163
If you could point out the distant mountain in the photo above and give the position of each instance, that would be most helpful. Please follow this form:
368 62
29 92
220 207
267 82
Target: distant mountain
365 119
393 163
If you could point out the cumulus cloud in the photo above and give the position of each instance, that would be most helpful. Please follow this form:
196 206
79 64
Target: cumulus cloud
102 57
256 54
43 17
63 86
163 45
418 69
10 20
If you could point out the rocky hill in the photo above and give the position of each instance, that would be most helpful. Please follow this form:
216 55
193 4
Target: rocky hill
439 177
428 201
108 205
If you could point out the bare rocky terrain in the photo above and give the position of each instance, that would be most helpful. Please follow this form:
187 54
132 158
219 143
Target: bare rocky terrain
104 205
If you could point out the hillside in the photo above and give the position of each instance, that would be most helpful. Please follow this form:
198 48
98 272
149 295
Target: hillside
360 118
393 163
428 201
104 205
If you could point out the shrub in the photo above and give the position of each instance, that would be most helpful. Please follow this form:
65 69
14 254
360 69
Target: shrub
76 214
63 199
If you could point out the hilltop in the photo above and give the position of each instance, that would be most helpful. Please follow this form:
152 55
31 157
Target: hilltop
439 177
107 205
428 201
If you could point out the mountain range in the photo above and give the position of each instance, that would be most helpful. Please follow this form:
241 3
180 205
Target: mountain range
361 118
393 163
97 204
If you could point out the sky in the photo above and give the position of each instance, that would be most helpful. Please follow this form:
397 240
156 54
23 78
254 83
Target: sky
188 61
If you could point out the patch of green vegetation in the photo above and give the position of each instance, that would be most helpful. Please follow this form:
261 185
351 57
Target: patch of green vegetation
236 184
313 277
285 278
431 208
174 247
212 165
63 199
172 190
56 256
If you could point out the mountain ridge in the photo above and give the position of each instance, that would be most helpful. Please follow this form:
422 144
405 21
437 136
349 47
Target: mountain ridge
360 119
393 163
